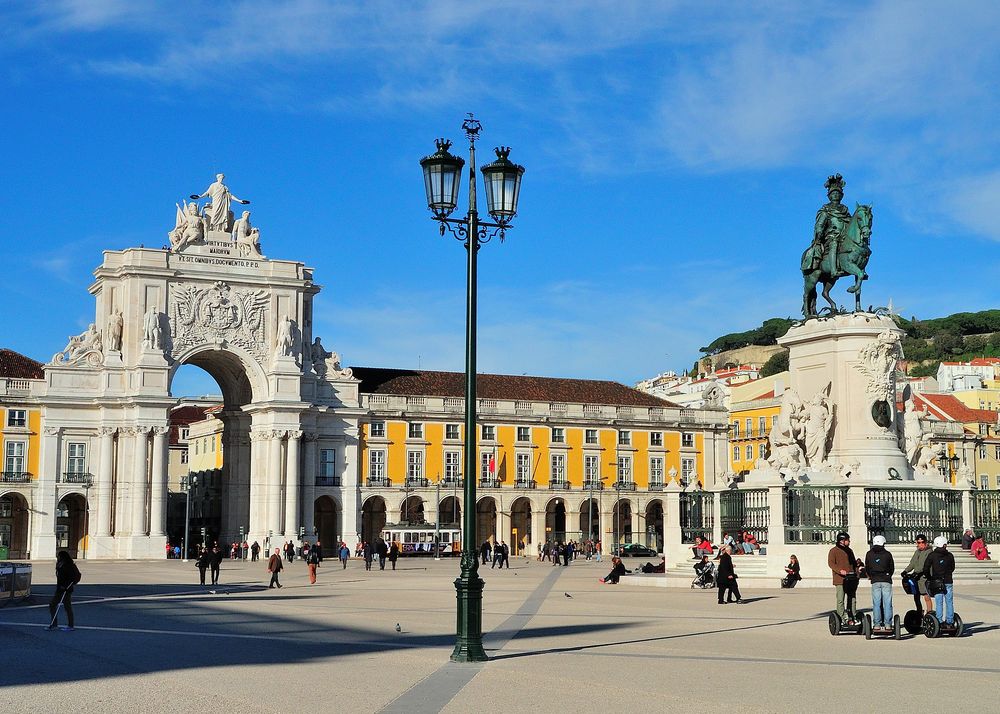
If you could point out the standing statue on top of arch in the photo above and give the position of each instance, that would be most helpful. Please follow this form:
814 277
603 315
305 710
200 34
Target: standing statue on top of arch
218 213
840 247
286 341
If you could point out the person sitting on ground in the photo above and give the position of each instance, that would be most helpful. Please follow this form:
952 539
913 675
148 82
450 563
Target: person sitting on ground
727 540
617 571
661 568
792 575
979 549
702 565
702 546
750 543
967 538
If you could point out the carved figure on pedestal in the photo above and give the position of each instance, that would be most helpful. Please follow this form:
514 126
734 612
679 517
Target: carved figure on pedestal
926 455
189 229
87 346
218 213
116 323
878 364
285 342
783 441
818 421
152 330
318 355
913 432
247 237
840 247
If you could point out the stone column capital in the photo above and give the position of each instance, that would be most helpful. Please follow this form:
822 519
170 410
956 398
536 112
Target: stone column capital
295 434
52 430
161 430
107 431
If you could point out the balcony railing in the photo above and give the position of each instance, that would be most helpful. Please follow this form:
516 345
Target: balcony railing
593 485
377 481
559 484
15 477
655 487
328 480
489 483
451 482
524 483
76 477
624 486
417 482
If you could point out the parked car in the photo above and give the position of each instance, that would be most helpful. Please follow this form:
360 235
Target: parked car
636 550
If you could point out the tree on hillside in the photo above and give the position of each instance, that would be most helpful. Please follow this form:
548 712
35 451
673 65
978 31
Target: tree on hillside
776 364
767 334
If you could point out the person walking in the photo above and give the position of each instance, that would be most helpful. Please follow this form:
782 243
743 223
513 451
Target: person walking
369 554
393 554
382 550
215 560
597 551
497 557
204 560
275 566
568 553
67 576
244 547
546 552
880 567
254 552
506 555
484 551
727 578
344 554
318 547
312 563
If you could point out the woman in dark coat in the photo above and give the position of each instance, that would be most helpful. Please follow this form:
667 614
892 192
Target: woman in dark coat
393 554
67 576
204 560
727 577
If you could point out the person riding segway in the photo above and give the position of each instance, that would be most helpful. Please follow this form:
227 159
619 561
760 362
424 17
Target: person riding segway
915 584
880 567
939 570
845 568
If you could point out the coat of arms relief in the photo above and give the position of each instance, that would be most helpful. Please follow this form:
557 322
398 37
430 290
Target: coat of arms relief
218 314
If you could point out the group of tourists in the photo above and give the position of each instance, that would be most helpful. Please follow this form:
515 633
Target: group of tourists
379 550
744 543
498 553
931 570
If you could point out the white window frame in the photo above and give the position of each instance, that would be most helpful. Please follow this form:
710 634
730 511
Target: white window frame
762 424
749 452
488 432
749 425
376 429
982 452
484 465
624 437
624 468
415 430
184 456
558 435
655 470
185 433
10 458
557 468
327 467
761 449
76 457
522 466
453 431
523 434
414 464
591 468
996 452
591 436
687 467
736 429
12 418
737 453
656 438
687 439
452 465
376 463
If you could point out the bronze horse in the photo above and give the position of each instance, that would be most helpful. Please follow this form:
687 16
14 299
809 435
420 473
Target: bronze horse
852 256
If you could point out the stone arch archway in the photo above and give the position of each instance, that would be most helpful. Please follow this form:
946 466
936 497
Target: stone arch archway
486 519
590 519
326 517
411 511
373 518
71 524
14 525
555 519
654 524
450 511
520 525
621 522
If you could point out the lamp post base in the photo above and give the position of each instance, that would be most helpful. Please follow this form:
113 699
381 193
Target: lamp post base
469 643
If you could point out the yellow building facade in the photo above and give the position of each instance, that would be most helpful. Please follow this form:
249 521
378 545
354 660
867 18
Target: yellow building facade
754 408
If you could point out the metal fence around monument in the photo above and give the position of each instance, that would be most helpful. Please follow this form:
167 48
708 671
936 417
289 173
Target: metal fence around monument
814 514
986 514
697 516
745 510
901 514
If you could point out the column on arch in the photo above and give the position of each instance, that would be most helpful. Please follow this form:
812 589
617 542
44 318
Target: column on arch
105 476
308 479
137 495
260 440
158 483
292 486
351 479
275 502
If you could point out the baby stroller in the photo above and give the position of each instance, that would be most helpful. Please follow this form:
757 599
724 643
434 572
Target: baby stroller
705 576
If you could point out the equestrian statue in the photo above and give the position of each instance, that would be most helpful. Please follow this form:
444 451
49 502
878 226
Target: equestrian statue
840 247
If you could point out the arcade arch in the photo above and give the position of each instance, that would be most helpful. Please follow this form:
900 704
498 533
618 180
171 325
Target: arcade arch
520 525
373 515
654 524
486 519
326 517
14 525
450 511
71 524
555 519
590 520
411 511
621 522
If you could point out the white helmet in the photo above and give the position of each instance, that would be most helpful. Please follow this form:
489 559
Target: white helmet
878 540
940 542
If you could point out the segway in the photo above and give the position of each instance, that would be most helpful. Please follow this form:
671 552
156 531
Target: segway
931 624
845 626
868 629
913 619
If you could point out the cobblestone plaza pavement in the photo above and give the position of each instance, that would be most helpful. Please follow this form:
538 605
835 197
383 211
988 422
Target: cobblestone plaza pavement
148 638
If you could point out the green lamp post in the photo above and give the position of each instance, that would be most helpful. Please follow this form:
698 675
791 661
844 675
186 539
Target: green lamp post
442 179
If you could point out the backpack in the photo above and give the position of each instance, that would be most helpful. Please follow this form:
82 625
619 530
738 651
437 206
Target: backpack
313 557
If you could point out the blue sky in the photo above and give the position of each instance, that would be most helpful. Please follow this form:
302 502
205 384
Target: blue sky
675 155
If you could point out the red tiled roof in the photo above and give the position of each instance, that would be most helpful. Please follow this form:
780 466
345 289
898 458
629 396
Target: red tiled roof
947 406
376 380
15 365
182 416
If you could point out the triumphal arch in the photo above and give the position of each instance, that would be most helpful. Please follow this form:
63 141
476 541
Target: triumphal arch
212 299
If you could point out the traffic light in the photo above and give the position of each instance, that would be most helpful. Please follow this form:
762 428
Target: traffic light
204 532
302 532
241 534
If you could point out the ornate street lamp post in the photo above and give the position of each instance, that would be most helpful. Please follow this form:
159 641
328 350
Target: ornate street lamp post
442 177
